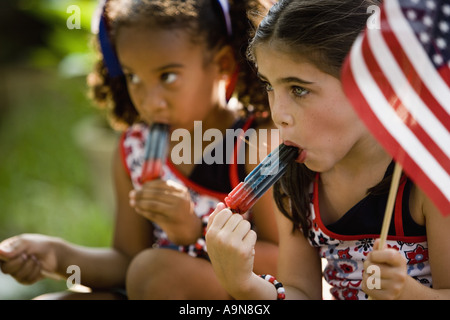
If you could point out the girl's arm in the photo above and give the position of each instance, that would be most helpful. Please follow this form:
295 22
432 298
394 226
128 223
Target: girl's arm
26 255
438 236
231 249
231 246
299 264
107 267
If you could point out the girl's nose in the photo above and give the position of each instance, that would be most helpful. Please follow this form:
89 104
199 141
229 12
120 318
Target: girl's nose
154 101
280 114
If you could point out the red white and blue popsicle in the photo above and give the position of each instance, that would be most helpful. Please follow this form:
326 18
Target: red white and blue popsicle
155 152
257 182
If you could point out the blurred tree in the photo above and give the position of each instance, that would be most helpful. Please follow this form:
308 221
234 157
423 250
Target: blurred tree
20 32
36 31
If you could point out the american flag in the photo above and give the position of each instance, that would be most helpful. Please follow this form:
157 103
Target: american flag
397 77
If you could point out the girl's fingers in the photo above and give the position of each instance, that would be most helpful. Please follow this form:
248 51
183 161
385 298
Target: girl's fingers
153 210
158 187
24 268
231 225
250 240
376 245
13 265
246 236
387 256
167 196
219 218
154 206
384 289
29 271
10 248
242 228
220 206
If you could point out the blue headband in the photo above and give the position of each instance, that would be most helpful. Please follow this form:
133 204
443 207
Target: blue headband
109 56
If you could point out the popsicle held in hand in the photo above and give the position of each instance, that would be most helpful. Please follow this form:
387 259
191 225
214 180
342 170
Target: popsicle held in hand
257 182
155 152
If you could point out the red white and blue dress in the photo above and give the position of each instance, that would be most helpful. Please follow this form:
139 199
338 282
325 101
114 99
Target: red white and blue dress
346 242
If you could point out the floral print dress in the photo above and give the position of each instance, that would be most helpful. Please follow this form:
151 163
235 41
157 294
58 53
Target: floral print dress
346 249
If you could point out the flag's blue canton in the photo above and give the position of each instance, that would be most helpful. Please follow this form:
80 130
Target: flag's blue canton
430 21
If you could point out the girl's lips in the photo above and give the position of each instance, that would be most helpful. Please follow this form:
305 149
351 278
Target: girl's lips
301 156
301 152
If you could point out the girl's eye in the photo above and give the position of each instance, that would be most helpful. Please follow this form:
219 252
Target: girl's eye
133 78
169 77
299 91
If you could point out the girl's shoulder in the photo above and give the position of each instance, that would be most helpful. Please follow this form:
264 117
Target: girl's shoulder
421 206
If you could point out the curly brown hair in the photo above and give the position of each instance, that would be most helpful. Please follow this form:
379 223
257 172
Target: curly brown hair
204 21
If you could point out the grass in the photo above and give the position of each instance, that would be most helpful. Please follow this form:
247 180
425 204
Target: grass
46 185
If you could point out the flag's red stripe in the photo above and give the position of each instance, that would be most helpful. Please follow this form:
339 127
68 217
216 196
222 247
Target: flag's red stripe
409 69
402 112
365 112
444 72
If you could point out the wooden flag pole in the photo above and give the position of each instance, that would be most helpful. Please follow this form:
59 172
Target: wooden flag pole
390 206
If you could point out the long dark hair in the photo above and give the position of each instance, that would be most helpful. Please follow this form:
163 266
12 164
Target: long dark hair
323 32
204 21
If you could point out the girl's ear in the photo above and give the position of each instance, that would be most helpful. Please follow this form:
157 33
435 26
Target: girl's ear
228 69
226 62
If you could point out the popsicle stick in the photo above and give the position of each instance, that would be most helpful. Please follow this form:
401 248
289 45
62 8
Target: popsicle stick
52 275
389 206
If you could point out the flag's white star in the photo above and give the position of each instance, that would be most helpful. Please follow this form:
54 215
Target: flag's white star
431 5
441 43
446 9
411 14
443 26
427 21
424 37
438 60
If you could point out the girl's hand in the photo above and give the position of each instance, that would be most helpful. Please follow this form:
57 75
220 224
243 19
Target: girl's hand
231 249
169 205
27 256
390 276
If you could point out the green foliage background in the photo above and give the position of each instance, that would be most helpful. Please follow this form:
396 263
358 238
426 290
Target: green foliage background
46 183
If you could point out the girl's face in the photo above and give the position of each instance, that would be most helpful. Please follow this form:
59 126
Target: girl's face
310 109
168 78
